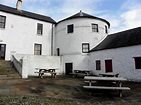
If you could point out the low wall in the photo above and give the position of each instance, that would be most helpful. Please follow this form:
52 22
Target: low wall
30 62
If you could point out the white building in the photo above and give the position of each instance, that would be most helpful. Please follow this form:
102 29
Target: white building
75 36
68 44
24 32
119 53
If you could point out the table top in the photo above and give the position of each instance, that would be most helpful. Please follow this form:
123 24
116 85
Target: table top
105 78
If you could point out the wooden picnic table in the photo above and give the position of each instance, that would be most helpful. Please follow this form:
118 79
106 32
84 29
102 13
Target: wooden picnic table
117 81
77 72
42 72
109 74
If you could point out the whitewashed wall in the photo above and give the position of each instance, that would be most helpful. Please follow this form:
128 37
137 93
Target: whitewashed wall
122 59
70 44
20 34
30 62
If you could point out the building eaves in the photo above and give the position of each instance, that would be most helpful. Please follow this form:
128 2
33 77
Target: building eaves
84 15
23 13
122 39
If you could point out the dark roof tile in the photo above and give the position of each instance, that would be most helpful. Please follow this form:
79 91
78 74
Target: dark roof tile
122 39
84 15
25 14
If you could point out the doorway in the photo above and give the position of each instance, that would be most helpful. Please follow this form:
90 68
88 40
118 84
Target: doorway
108 66
68 68
2 51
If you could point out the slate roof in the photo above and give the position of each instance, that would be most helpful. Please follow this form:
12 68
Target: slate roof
122 39
84 15
25 14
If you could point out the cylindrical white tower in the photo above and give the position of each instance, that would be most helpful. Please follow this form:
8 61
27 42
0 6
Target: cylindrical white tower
75 36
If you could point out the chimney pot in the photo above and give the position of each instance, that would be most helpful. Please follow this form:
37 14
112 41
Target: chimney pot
19 5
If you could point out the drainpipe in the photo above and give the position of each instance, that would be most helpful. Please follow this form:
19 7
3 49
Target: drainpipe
52 40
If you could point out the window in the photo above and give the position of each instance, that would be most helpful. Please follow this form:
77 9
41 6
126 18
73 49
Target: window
137 62
98 65
58 51
94 27
106 29
37 49
39 29
2 21
85 47
70 28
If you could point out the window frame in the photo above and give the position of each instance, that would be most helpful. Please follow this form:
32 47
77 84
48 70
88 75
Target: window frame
137 62
94 27
39 29
36 50
2 23
70 28
98 64
85 47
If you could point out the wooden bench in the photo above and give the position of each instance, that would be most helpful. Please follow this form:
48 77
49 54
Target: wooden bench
120 89
115 83
106 88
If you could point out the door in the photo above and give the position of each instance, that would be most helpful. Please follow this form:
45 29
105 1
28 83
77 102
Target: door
108 66
2 51
68 67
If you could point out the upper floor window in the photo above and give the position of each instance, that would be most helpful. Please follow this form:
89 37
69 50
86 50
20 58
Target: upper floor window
137 62
85 47
39 28
94 27
106 29
2 21
37 49
70 28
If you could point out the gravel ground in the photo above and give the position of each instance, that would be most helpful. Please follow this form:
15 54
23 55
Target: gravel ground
63 91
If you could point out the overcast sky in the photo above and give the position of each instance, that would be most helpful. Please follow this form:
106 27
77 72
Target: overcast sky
122 14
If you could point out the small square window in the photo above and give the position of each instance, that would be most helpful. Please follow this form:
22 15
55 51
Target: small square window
85 47
70 28
94 27
39 29
137 62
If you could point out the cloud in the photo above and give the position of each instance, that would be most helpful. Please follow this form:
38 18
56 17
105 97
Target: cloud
132 17
126 16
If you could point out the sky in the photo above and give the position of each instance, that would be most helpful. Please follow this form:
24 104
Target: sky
122 14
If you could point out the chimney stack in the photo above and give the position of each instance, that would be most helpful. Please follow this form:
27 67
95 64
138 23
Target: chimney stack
19 5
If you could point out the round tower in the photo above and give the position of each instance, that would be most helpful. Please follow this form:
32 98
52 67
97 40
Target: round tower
75 36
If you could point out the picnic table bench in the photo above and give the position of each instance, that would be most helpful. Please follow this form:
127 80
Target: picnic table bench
83 73
117 81
109 74
42 72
